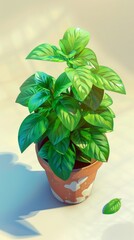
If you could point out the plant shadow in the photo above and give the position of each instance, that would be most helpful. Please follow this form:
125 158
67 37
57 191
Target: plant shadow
22 193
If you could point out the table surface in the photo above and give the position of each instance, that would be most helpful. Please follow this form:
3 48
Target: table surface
27 206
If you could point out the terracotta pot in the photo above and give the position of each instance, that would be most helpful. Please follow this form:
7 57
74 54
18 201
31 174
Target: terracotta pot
79 185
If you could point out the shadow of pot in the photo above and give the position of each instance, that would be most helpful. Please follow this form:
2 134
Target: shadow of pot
77 188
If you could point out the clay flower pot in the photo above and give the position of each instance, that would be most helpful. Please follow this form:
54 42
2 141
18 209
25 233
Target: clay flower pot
79 185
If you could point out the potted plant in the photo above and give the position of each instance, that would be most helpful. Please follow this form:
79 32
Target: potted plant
69 116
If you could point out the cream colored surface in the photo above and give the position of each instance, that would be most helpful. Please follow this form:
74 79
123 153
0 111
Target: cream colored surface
27 207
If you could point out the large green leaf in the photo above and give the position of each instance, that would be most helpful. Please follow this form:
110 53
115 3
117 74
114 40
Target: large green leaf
74 39
40 139
98 129
94 98
57 131
112 207
38 99
46 52
83 158
34 89
98 147
101 118
28 83
107 79
79 140
44 80
31 129
62 146
43 152
24 96
68 112
85 57
61 84
80 81
106 101
62 165
95 144
39 79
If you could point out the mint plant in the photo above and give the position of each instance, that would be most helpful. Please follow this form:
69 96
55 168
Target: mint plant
71 113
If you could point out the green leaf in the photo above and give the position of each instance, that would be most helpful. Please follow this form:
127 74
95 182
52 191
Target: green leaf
31 129
40 79
80 81
57 131
98 147
46 52
62 165
34 89
106 101
45 109
29 83
85 57
81 123
99 129
40 139
93 144
94 98
62 146
24 96
107 79
112 207
72 54
43 152
74 39
79 140
112 112
61 84
101 118
83 158
44 80
38 99
68 112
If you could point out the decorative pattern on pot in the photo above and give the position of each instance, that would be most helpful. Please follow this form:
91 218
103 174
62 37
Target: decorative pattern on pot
74 186
71 191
